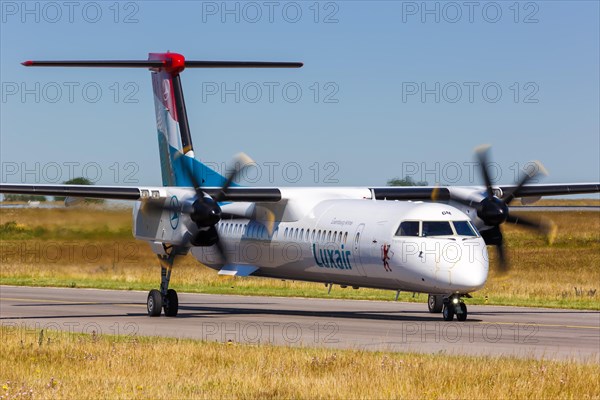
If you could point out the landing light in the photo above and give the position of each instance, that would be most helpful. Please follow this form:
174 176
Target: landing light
455 301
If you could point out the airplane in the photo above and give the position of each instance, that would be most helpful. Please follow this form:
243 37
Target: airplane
417 239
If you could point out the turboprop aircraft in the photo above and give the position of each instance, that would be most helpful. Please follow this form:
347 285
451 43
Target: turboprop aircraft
418 239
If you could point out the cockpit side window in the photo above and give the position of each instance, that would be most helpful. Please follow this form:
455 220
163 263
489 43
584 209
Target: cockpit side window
464 228
437 228
408 228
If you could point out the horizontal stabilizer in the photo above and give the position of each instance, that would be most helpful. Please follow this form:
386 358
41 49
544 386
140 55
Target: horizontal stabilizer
161 64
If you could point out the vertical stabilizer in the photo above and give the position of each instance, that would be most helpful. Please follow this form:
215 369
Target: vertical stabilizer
174 138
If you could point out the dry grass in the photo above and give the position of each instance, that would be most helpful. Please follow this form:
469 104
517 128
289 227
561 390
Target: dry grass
568 202
566 272
59 365
94 248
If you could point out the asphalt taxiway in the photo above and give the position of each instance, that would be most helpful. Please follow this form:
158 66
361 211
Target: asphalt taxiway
370 325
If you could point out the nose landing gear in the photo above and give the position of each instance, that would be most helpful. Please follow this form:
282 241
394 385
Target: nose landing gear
454 305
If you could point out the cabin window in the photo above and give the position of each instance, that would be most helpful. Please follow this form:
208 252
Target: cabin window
408 228
301 234
464 228
436 228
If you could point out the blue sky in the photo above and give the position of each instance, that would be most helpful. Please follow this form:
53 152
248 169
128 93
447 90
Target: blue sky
388 89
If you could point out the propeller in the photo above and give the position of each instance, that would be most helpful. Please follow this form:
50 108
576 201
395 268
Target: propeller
205 210
494 211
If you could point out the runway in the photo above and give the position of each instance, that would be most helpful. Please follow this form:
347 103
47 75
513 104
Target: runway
368 325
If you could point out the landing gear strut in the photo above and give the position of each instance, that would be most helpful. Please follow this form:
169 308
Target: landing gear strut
454 305
164 298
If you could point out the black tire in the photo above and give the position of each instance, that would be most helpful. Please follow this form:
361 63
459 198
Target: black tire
448 312
154 303
462 316
171 305
435 303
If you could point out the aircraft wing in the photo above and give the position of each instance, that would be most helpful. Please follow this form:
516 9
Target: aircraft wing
245 194
273 194
553 190
445 193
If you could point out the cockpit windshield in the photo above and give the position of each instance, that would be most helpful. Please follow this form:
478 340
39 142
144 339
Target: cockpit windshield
464 228
408 228
436 228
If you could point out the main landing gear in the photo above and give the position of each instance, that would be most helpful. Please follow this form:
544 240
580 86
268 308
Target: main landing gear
449 306
164 298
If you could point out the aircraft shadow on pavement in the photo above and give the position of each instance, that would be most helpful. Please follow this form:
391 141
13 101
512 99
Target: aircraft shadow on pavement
537 311
400 315
214 311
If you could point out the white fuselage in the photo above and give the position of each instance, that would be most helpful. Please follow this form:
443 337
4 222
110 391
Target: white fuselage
345 241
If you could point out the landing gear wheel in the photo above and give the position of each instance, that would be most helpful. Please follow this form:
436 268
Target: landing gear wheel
171 303
154 303
435 303
463 315
448 312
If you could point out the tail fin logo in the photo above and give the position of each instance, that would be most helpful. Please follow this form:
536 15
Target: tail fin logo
166 90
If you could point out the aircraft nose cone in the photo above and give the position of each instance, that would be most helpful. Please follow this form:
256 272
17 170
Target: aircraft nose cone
471 277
